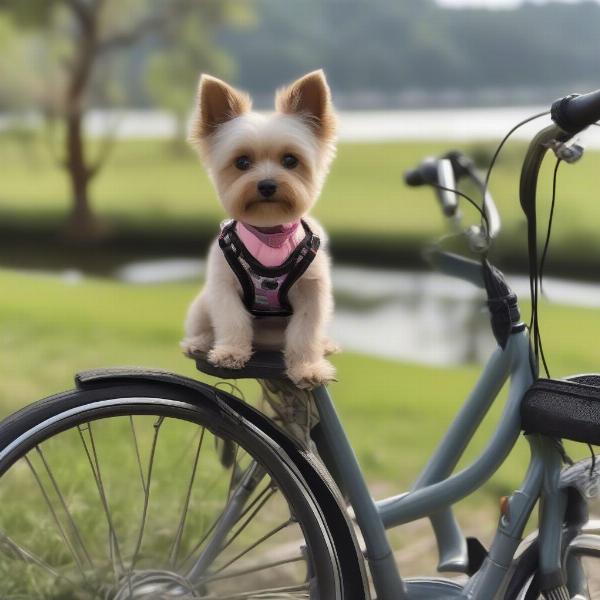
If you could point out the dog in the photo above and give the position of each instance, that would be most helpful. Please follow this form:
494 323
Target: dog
268 172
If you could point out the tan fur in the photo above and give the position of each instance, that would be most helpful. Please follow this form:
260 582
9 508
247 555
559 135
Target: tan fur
304 125
310 96
217 103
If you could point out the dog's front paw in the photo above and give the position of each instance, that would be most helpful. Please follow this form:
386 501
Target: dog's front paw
199 344
311 375
229 357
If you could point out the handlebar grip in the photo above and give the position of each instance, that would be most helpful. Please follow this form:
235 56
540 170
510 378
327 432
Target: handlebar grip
576 112
414 177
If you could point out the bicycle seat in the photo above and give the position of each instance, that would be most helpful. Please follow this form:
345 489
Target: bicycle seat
264 364
564 408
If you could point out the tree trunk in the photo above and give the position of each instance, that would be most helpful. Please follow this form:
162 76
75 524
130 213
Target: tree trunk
82 223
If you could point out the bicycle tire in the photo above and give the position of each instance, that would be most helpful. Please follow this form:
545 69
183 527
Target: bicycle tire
35 425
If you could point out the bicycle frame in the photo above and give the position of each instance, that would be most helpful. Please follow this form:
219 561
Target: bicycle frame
436 490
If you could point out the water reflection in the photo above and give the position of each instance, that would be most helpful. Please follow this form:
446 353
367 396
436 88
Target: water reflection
421 317
417 317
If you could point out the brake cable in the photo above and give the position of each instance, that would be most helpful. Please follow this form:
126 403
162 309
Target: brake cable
534 323
536 274
501 146
462 195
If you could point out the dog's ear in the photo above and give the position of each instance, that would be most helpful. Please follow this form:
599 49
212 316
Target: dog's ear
218 102
310 97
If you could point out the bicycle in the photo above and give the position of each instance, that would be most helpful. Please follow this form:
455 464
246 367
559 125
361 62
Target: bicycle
263 508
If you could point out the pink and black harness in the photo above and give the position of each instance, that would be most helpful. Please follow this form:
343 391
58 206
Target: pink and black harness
265 286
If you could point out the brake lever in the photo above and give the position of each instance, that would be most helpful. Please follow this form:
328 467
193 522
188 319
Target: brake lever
443 174
479 240
447 182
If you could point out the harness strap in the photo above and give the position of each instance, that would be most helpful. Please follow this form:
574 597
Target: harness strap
244 265
232 256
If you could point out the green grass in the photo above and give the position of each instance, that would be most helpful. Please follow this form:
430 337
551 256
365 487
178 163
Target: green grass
147 186
395 414
51 329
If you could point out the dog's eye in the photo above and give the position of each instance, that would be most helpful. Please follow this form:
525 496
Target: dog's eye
289 161
243 163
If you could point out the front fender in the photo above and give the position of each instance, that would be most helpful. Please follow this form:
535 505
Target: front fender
309 465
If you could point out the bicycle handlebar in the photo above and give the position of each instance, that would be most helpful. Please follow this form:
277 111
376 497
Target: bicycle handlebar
443 173
418 176
575 112
571 114
438 173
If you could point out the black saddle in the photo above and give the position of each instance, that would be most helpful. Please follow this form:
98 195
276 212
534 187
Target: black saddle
564 408
262 365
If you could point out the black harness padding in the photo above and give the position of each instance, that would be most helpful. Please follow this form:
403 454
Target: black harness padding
260 283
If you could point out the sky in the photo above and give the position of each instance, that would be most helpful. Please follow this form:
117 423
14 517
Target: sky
489 3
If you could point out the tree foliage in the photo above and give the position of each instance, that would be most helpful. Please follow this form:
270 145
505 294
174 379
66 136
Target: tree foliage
173 70
83 45
19 87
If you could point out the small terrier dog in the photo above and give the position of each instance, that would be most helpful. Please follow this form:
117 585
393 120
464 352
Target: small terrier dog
268 283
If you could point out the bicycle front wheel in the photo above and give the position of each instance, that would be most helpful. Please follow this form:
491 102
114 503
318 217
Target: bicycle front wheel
126 492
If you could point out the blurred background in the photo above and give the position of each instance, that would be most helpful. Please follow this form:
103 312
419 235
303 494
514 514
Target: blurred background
105 212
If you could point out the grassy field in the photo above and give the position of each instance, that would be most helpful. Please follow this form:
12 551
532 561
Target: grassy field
394 413
51 329
149 189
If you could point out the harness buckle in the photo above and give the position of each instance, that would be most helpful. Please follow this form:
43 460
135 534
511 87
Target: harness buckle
269 284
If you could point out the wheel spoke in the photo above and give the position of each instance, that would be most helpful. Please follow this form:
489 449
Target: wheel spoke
63 502
137 453
281 593
92 456
200 543
245 487
257 543
250 518
212 527
269 490
157 426
55 518
11 548
249 570
186 504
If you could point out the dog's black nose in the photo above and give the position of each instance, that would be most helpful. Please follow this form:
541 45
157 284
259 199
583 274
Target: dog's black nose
267 187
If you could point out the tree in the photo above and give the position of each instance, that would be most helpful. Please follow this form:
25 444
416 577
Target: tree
173 72
79 37
18 86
